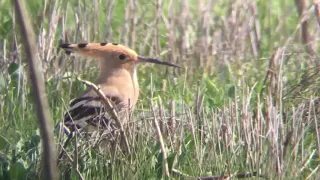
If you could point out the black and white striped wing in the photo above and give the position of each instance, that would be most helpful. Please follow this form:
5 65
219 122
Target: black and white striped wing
89 110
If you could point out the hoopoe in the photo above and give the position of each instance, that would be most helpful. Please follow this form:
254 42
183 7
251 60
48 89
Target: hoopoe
117 80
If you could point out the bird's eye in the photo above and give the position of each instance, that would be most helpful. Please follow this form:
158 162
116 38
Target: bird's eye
122 56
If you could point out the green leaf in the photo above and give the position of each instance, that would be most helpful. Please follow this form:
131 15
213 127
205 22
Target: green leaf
4 143
231 91
13 69
260 86
14 72
35 140
93 154
170 160
17 171
4 163
2 81
159 166
156 148
74 175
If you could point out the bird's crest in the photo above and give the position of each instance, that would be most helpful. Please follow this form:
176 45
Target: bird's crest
97 50
110 50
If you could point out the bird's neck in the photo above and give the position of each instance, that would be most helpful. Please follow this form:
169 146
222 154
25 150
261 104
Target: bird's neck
122 79
116 75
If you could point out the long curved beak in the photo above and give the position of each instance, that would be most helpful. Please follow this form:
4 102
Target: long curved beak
156 61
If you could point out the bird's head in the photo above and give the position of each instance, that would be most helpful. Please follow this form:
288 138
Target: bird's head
111 55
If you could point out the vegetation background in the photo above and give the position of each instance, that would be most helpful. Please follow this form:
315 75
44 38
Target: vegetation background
246 99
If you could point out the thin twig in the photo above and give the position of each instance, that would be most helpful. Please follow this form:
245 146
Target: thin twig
160 138
305 34
218 177
110 109
37 80
71 161
64 146
177 173
238 176
75 153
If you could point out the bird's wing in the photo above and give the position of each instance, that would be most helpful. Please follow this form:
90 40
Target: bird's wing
89 110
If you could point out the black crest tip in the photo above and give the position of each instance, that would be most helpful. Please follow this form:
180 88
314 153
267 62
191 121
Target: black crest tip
65 45
82 45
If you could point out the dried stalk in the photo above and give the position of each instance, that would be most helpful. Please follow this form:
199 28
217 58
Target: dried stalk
72 162
159 135
305 34
238 176
162 146
37 80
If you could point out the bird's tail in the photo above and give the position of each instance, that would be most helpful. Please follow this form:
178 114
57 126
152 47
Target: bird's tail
60 126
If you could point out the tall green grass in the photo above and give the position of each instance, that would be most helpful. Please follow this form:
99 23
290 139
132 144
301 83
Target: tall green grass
246 99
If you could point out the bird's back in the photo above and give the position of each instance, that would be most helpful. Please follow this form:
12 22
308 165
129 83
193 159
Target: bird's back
88 113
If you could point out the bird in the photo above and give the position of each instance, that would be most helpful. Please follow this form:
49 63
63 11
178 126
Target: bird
117 80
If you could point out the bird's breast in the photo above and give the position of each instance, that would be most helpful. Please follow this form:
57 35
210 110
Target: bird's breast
121 84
